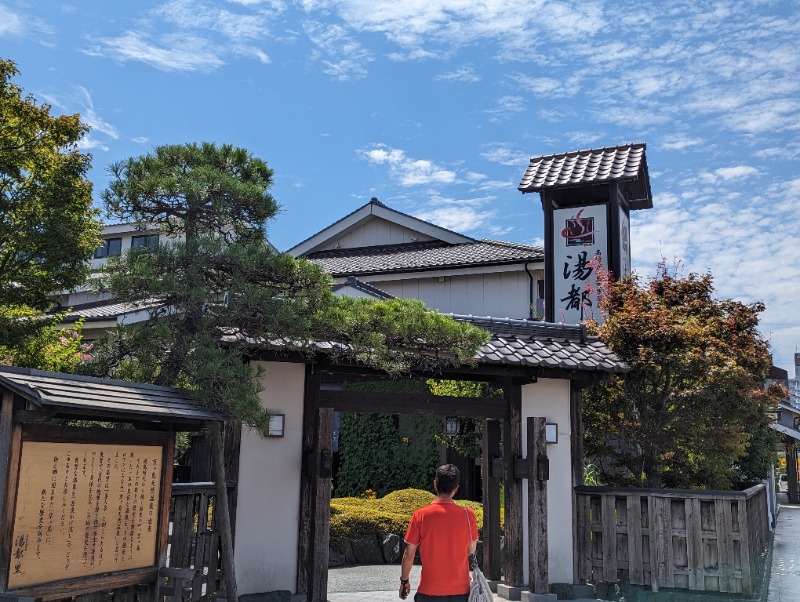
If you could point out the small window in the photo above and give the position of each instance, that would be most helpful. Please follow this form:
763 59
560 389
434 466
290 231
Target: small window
145 241
110 246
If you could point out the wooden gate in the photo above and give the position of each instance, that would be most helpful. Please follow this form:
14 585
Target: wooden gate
697 540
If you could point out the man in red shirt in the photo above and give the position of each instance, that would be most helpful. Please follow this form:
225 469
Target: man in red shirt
446 534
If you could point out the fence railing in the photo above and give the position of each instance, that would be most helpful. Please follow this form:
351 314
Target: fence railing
697 540
194 542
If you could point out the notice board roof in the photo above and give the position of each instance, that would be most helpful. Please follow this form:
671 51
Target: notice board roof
99 397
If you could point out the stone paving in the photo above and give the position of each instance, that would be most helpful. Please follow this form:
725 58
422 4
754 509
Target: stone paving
784 580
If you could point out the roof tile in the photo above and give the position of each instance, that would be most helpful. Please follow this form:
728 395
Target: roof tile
422 256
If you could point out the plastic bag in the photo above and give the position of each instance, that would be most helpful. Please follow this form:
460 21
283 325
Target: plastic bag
479 589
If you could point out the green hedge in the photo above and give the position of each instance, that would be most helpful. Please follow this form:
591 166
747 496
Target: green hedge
353 518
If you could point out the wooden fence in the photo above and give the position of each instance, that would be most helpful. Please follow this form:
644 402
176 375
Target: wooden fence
697 540
194 543
193 570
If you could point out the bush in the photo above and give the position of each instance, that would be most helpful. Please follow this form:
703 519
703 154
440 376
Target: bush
353 518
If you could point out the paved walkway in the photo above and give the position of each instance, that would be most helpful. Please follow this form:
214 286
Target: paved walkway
784 580
371 583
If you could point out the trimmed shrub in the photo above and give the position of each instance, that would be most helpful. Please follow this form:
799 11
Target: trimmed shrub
353 518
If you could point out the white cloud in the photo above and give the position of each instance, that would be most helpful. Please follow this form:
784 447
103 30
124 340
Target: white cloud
462 74
408 171
178 52
506 156
457 218
505 107
725 174
201 34
548 87
680 142
342 55
14 24
90 116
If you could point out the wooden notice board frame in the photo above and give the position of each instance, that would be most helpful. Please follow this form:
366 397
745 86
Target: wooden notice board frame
46 437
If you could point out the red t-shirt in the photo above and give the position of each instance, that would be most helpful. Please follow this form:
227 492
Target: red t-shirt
443 535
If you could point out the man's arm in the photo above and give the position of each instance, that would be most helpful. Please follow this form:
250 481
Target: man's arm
408 560
473 545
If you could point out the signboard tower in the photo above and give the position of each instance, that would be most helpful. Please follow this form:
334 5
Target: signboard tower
587 197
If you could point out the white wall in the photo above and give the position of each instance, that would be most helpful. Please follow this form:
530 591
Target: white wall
268 509
374 232
550 398
501 294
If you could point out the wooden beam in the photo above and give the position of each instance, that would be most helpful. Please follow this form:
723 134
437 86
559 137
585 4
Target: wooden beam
491 501
512 447
404 403
538 577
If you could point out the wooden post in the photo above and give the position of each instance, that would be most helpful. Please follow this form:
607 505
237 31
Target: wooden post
6 423
791 470
513 575
538 580
322 513
312 555
491 501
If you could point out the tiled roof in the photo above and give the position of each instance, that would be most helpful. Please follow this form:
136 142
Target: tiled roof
107 310
543 345
106 396
616 163
515 343
422 256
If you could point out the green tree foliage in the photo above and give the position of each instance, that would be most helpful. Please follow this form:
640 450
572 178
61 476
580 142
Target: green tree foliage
688 410
221 278
469 441
48 228
29 340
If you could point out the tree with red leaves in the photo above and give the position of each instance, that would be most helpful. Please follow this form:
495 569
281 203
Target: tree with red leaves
692 410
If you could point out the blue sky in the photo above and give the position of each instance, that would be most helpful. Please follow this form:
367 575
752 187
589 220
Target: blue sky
436 107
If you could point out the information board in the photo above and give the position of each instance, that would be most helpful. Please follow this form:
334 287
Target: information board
84 509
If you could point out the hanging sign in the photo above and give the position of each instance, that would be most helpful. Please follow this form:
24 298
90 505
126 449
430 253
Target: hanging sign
580 245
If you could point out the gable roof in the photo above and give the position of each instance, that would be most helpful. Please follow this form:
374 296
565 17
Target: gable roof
594 166
369 211
85 395
422 256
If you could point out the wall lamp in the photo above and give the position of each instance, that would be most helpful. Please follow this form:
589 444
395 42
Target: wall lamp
551 432
277 422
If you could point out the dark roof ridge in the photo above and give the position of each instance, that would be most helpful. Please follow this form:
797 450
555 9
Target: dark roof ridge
367 288
550 330
378 249
90 379
592 150
513 245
